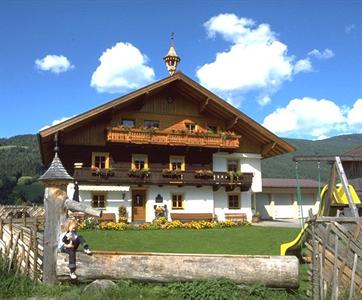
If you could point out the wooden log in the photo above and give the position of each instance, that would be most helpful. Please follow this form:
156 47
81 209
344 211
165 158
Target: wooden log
271 271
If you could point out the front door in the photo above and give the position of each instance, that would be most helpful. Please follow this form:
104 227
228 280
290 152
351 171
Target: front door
138 205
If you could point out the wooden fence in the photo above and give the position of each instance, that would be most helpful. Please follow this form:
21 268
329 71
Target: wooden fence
336 246
21 245
17 211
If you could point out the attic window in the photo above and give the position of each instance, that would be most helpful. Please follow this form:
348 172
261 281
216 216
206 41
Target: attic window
190 127
152 124
128 123
211 129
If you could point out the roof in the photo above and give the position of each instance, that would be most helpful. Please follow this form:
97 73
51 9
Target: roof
56 171
272 144
288 183
354 152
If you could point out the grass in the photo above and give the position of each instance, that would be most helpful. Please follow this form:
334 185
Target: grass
243 240
250 240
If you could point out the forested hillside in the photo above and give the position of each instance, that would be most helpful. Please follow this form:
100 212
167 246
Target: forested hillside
283 166
20 164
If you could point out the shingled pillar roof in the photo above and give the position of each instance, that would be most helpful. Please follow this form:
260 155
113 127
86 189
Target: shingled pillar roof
56 171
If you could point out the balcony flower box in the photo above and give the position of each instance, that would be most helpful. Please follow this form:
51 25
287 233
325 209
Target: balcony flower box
167 173
235 176
106 172
204 174
139 173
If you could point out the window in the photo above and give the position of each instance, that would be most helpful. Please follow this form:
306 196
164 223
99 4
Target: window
190 127
177 163
233 201
233 165
99 201
177 201
100 160
139 161
151 124
128 123
211 129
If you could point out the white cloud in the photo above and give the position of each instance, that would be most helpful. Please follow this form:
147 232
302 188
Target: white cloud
315 119
303 66
255 61
355 114
122 68
325 54
348 28
306 117
54 63
55 122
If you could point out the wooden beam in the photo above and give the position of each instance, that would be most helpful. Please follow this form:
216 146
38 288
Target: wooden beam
326 158
232 123
203 105
267 148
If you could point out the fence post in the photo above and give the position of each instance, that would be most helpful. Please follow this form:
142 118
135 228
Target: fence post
315 263
56 204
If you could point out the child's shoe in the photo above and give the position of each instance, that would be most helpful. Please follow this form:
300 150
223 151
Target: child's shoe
73 275
87 251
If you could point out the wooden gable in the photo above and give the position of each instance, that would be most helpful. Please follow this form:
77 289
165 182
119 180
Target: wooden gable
173 101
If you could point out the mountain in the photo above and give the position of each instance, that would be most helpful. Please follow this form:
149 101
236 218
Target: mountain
283 166
20 155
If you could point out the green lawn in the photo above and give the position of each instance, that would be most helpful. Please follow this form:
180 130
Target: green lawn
241 240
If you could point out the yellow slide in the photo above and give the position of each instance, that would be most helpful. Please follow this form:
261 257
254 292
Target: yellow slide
339 197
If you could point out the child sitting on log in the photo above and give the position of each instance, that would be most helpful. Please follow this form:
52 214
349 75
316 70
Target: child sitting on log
69 242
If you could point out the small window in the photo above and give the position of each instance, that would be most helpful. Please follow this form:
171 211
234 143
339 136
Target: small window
128 123
139 162
177 163
152 124
177 201
100 160
211 129
234 201
190 127
233 165
99 201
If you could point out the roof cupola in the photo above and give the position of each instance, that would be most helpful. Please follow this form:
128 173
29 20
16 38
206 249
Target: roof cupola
171 59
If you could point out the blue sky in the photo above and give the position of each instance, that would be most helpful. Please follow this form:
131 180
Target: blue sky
293 66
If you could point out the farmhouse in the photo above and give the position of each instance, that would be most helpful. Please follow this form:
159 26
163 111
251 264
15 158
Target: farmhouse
171 145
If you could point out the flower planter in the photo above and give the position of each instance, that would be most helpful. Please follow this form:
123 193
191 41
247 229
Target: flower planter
255 219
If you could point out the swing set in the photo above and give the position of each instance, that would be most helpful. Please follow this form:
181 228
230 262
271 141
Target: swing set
334 199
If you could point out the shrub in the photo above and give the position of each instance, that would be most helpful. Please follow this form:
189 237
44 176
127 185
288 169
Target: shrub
89 223
113 226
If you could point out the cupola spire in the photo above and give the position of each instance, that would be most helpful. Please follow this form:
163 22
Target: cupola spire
171 59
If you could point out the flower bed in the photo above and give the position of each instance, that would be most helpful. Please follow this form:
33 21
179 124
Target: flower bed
162 223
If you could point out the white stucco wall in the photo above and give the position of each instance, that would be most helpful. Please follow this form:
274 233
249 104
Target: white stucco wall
249 163
221 204
197 200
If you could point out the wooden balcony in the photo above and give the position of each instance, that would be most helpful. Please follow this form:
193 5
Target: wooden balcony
121 176
159 137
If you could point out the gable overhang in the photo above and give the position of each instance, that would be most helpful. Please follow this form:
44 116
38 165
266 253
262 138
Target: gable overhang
271 145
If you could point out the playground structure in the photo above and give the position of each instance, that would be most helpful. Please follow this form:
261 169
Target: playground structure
332 237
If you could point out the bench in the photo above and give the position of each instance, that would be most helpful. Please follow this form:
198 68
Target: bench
188 217
107 217
235 217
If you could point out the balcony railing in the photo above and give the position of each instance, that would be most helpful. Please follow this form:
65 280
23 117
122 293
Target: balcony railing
159 137
159 177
